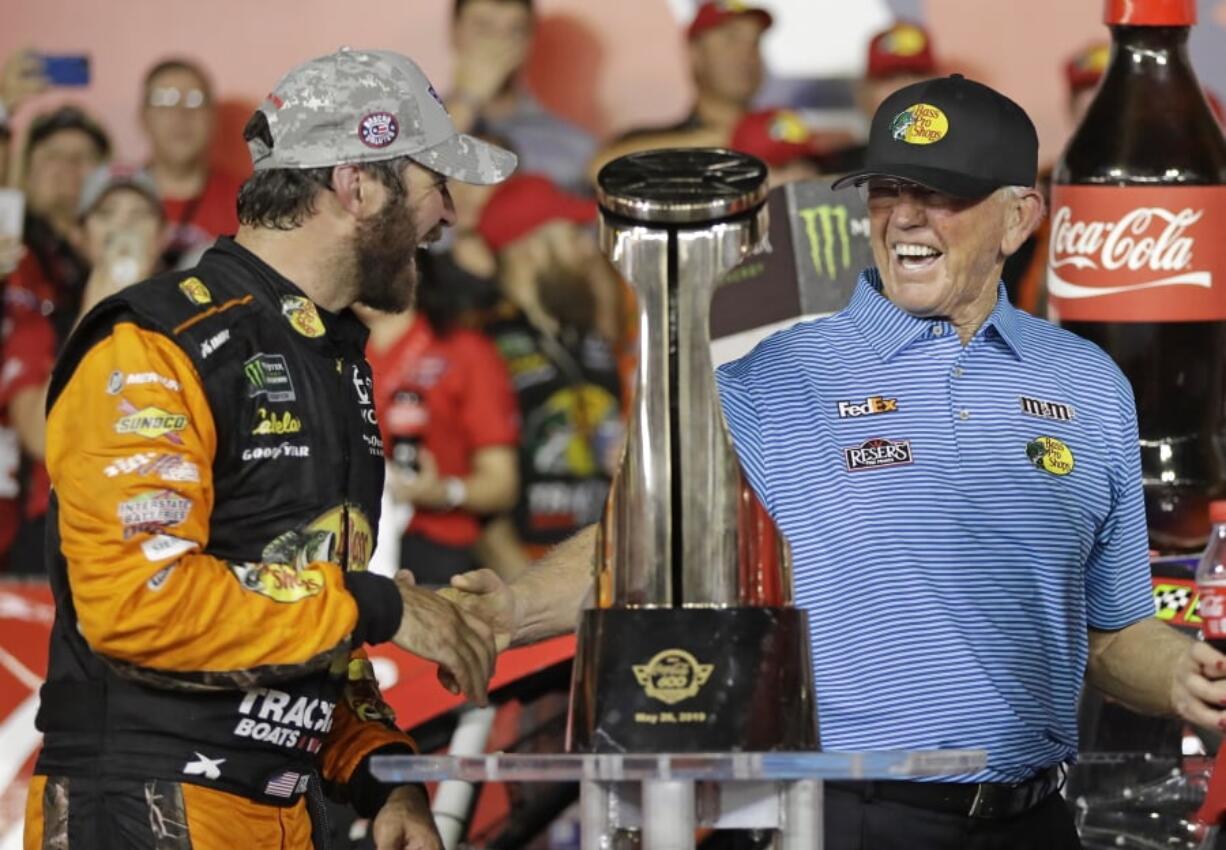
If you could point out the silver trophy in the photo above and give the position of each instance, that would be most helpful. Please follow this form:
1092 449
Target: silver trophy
692 643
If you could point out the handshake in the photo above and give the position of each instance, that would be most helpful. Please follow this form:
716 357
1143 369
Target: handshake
461 628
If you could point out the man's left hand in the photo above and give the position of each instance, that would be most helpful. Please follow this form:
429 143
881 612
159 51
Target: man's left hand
405 822
1198 686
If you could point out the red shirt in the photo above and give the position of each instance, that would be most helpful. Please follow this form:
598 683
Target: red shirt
455 394
28 345
195 222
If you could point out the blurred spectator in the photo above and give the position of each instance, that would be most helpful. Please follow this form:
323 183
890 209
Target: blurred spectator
122 227
491 40
724 47
178 115
21 76
564 371
897 57
780 138
1083 72
450 427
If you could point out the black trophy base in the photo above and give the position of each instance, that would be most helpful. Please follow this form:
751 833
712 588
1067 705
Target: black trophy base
692 680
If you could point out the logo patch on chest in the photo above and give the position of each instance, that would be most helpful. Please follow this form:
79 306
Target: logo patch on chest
1050 455
869 407
1041 409
877 453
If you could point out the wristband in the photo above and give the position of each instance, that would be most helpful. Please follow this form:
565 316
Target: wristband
455 491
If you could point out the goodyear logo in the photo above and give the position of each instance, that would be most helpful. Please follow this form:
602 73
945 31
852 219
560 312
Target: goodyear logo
196 291
151 422
672 675
921 124
1050 455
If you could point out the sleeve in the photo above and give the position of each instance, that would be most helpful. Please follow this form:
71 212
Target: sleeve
363 725
131 466
745 422
491 412
1117 576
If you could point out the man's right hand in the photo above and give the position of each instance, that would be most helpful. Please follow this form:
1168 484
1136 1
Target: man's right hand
484 595
460 643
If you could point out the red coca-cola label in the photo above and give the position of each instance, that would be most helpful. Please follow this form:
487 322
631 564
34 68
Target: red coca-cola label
1212 612
1128 254
1150 13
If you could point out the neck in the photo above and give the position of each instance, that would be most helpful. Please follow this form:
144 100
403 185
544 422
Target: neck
178 181
305 257
389 328
714 111
969 318
503 104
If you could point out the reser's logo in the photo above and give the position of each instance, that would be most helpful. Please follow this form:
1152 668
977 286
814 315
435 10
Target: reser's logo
878 453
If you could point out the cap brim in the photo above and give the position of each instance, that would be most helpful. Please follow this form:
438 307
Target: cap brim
469 160
950 182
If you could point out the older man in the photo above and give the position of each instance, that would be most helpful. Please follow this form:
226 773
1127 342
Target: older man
967 471
217 472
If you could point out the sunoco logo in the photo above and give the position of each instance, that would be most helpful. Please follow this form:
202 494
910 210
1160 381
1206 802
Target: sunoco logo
878 453
672 675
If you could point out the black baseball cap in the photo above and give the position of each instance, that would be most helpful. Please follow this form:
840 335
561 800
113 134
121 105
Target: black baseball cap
951 134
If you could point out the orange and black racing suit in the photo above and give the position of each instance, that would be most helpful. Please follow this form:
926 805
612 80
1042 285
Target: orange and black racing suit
217 470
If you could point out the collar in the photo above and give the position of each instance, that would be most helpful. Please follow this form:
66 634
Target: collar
889 329
274 291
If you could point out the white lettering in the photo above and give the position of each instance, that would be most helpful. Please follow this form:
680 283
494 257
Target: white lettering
274 703
1149 238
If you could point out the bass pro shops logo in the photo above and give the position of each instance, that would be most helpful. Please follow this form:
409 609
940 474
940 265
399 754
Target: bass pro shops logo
672 675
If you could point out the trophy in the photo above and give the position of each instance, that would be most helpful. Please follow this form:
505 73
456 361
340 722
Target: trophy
692 644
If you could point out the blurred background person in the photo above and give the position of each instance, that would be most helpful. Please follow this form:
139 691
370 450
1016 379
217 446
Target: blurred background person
450 427
491 41
898 56
21 77
791 149
724 49
178 115
122 229
563 366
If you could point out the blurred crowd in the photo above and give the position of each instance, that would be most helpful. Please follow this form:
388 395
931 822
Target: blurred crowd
501 395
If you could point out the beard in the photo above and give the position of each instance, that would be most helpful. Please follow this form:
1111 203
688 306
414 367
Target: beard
385 259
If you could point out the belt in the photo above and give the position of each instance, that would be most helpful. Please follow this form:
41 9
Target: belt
989 800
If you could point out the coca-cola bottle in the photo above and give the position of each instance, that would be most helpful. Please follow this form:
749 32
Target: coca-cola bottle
1211 581
1138 256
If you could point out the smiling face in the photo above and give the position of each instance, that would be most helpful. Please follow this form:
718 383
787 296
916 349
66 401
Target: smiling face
942 256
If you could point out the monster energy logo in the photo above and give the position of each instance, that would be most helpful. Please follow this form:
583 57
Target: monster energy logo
828 230
268 375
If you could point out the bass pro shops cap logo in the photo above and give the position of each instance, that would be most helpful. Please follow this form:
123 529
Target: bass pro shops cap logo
1050 455
921 124
378 129
672 675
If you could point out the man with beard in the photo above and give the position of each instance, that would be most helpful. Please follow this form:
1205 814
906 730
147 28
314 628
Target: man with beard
217 472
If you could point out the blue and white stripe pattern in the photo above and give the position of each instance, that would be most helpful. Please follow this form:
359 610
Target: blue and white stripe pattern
950 584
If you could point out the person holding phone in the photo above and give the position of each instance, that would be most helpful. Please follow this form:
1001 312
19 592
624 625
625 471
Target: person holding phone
123 230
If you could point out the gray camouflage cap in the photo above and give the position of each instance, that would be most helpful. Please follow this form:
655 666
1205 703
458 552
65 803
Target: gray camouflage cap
365 106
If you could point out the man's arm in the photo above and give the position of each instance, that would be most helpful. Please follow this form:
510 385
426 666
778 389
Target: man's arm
541 603
1139 666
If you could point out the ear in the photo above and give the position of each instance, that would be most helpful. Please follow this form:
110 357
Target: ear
1022 218
353 189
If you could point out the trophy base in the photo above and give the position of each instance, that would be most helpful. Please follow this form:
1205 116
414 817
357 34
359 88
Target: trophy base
692 680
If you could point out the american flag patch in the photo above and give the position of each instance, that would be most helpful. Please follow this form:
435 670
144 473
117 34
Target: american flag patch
286 784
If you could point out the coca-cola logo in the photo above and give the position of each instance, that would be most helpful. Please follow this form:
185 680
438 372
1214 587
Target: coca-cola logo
1150 238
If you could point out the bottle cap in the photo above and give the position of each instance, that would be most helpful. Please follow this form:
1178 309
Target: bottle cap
1217 512
1151 13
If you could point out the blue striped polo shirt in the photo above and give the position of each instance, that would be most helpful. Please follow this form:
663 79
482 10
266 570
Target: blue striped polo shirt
958 516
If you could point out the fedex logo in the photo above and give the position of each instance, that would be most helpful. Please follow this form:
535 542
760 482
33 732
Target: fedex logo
871 406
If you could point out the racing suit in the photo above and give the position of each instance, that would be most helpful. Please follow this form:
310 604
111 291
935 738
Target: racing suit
217 472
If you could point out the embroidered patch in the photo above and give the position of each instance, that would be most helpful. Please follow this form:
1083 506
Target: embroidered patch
878 453
378 129
872 405
1050 455
1047 409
